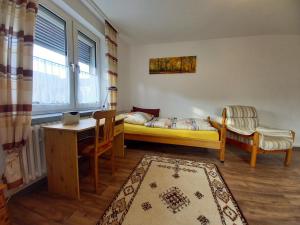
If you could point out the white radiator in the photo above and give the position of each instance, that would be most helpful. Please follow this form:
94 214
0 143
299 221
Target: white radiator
33 156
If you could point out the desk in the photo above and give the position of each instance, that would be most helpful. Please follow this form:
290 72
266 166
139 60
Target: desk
61 147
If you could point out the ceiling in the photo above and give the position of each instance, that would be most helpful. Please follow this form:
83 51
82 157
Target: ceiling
155 21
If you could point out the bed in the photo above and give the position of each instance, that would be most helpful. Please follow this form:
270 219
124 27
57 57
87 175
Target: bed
213 139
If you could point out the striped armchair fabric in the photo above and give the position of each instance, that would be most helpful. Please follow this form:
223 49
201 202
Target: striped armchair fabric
241 119
239 111
243 125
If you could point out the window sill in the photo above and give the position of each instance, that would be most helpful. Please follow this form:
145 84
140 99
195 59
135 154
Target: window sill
53 117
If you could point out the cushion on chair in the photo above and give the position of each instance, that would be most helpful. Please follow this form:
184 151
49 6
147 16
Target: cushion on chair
241 130
241 119
243 139
265 142
243 123
238 111
275 143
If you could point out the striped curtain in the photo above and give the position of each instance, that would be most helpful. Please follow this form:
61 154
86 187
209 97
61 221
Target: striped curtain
112 64
17 22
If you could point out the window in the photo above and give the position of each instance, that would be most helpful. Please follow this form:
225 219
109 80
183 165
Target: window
88 81
65 71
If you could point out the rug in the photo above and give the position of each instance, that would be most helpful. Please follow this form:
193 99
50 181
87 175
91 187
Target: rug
167 191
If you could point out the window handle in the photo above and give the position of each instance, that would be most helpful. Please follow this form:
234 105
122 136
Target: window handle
72 65
77 68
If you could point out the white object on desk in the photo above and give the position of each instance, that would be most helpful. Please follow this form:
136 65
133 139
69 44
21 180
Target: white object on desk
69 118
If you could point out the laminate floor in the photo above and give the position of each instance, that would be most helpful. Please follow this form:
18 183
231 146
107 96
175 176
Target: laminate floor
267 195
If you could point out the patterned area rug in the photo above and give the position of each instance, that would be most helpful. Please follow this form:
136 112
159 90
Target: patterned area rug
173 192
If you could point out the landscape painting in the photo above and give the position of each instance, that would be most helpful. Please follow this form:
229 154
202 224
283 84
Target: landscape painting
171 65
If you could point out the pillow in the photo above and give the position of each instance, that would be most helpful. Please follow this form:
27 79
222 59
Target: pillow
154 112
192 124
160 123
180 124
138 118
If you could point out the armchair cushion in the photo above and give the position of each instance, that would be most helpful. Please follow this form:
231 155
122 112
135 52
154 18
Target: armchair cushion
238 111
246 123
275 143
265 142
240 138
274 139
241 130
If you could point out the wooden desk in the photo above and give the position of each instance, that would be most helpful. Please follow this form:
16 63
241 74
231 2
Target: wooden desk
61 146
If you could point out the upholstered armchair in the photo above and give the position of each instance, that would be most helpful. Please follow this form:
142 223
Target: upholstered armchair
243 130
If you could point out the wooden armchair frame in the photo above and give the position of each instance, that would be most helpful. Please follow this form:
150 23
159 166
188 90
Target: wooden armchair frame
254 148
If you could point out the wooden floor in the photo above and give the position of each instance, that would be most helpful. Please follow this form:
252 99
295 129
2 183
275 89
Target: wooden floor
267 195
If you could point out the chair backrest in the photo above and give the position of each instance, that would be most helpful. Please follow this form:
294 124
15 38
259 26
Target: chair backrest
108 117
241 116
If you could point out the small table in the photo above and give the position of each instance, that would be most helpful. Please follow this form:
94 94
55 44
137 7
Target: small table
61 147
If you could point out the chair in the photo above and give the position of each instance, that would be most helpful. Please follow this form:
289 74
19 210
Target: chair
243 130
103 141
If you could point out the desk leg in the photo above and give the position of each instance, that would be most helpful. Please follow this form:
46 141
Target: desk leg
62 162
119 145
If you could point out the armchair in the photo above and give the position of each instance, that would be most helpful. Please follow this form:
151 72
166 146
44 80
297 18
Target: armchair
243 130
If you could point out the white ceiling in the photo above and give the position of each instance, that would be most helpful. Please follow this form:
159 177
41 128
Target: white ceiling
154 21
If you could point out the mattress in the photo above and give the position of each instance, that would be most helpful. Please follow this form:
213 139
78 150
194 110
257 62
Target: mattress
163 132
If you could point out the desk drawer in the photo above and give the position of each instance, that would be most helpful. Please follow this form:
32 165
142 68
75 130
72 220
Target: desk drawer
119 129
4 220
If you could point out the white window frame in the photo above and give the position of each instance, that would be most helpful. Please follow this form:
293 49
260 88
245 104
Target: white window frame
72 26
77 27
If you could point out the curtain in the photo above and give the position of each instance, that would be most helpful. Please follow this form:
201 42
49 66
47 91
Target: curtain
17 21
112 64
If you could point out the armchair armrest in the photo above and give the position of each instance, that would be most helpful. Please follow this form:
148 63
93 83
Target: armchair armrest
216 122
275 132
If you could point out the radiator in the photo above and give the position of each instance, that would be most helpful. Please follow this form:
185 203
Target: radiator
33 157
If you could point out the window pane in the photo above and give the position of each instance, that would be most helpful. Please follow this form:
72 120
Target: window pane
88 79
51 81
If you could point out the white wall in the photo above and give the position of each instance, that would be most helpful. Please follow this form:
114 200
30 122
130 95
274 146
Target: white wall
263 71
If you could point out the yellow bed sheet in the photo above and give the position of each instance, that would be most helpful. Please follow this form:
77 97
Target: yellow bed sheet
162 132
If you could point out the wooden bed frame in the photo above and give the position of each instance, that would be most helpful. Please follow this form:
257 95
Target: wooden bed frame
218 145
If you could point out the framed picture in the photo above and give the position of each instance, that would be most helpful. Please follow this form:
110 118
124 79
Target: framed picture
172 65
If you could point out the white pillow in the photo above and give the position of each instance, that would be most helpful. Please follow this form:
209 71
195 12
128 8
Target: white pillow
192 124
138 118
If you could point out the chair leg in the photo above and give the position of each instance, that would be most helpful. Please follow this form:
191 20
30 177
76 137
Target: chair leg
254 150
253 157
92 170
223 144
96 173
288 157
222 154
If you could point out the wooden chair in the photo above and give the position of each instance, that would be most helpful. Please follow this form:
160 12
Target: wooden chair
243 130
103 142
